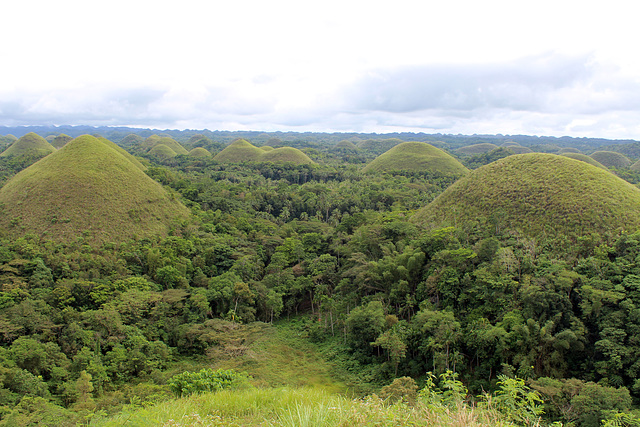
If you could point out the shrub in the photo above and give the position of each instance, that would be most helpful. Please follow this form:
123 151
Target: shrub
207 380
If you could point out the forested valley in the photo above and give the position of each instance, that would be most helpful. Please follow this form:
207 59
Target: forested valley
537 321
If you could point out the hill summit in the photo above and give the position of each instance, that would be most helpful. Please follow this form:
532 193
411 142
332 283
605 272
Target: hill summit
417 157
537 194
242 150
30 144
86 189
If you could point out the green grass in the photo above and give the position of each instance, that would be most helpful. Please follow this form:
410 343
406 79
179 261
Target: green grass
481 148
538 194
517 149
416 156
243 151
162 151
154 140
29 144
60 141
124 152
199 152
301 407
584 158
86 189
284 155
611 159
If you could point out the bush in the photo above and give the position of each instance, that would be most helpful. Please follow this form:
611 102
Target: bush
207 380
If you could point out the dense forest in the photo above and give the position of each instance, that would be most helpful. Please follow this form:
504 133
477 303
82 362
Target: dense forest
339 256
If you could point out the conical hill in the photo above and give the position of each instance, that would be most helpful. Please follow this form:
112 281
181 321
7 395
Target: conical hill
199 152
286 155
483 147
538 194
611 159
417 157
239 151
86 189
162 151
59 141
584 158
154 140
124 152
30 144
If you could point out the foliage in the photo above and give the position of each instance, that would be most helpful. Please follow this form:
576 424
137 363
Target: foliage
206 380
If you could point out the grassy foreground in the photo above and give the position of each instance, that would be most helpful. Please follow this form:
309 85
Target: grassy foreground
296 407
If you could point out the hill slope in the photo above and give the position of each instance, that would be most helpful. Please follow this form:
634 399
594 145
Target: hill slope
416 156
285 154
154 140
238 151
584 158
611 159
538 193
86 189
29 144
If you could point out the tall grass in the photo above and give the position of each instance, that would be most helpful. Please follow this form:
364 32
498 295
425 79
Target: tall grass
285 407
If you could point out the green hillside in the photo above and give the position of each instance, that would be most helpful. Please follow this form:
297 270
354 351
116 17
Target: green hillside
568 150
518 149
584 158
30 144
470 150
416 156
154 140
538 193
379 146
132 139
199 152
239 151
60 140
611 159
86 189
124 152
162 151
285 155
266 148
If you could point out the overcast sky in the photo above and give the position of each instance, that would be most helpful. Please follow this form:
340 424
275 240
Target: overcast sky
512 67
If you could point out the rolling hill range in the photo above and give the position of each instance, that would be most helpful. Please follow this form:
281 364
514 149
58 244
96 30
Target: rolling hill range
153 140
89 189
30 144
418 157
538 193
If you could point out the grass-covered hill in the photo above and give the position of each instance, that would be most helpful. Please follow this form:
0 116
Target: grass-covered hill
199 152
538 193
584 158
124 152
131 139
154 140
379 146
611 159
86 189
286 155
242 150
30 144
59 141
346 145
239 151
416 156
162 151
566 150
519 149
635 167
470 150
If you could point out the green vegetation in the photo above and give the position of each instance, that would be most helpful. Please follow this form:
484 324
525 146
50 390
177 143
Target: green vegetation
150 142
476 149
584 158
60 140
29 145
519 150
378 147
611 159
124 152
539 194
239 151
199 152
566 150
162 152
319 294
86 190
243 151
286 154
416 157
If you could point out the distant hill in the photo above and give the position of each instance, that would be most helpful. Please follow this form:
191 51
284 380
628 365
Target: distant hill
239 151
470 150
518 149
418 157
30 144
59 141
284 155
243 151
584 158
611 159
131 139
88 190
538 194
568 150
379 146
199 152
153 140
162 151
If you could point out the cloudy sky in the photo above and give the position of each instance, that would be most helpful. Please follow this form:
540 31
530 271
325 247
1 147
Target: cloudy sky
559 67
